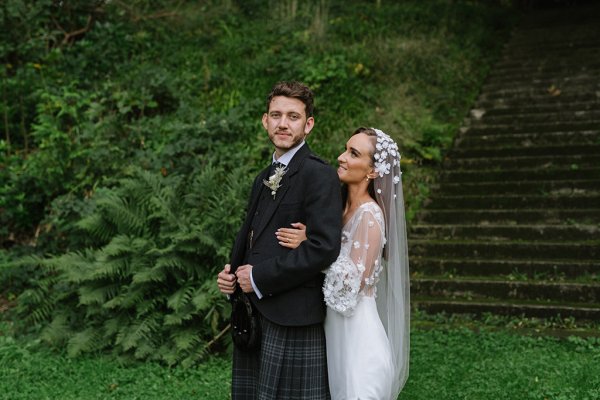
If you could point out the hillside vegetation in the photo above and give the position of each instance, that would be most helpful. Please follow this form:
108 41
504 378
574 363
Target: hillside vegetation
131 133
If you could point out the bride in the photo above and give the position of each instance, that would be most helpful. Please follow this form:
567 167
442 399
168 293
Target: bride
367 288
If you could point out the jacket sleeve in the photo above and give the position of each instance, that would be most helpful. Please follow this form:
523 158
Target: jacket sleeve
239 245
323 209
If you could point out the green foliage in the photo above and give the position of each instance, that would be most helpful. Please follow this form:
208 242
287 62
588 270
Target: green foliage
460 363
444 364
146 287
131 132
30 373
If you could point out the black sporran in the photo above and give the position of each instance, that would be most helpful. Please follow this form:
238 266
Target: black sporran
245 325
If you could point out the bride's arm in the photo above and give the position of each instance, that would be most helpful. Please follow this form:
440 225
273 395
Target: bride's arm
367 245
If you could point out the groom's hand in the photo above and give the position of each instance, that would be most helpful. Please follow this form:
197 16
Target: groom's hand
226 280
243 278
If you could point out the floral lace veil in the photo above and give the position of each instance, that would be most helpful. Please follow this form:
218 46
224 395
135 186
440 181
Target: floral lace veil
393 286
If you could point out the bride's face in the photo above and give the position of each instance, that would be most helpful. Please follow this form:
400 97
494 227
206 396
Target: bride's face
356 163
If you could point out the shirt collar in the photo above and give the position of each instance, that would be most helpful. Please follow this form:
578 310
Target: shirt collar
288 155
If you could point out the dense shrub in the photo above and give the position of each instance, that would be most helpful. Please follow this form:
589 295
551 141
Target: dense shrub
141 288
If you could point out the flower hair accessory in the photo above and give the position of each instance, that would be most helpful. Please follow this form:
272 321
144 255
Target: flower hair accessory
387 156
274 181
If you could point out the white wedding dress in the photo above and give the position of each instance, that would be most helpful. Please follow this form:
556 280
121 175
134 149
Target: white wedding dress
359 356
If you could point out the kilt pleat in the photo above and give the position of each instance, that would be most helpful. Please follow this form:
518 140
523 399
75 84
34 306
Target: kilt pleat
291 364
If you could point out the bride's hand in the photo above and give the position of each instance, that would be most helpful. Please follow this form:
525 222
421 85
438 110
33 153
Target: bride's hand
291 237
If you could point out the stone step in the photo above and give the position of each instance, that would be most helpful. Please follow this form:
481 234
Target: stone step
537 269
542 96
588 128
514 52
543 100
590 187
512 89
552 86
559 30
526 82
494 232
525 151
562 24
473 289
544 162
488 137
538 69
510 250
483 117
514 202
526 79
580 40
580 312
515 217
509 175
543 81
533 108
548 60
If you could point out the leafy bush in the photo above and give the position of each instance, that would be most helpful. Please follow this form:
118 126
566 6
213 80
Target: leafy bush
146 287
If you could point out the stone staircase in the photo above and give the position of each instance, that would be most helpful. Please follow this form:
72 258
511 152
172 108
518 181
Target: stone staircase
514 225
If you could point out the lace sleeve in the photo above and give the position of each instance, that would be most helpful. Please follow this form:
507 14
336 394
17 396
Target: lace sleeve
357 267
341 286
367 245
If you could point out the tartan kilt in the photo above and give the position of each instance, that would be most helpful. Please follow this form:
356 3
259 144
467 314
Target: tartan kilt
290 364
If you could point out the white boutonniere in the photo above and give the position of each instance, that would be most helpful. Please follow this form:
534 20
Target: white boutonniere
274 181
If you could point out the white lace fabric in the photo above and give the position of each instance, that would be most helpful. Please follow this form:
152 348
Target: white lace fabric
356 271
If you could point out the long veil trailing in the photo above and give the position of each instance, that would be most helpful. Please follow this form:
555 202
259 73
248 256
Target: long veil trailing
393 287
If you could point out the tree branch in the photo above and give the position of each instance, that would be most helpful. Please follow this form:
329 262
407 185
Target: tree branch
70 35
216 338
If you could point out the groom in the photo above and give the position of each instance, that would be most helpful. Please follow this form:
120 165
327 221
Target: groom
285 285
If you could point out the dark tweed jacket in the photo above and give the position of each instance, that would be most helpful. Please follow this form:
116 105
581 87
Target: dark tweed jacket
291 280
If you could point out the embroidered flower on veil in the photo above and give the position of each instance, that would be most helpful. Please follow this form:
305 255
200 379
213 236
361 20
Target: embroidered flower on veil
386 147
274 181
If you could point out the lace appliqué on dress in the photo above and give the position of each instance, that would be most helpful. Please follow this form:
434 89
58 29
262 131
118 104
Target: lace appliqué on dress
356 270
342 284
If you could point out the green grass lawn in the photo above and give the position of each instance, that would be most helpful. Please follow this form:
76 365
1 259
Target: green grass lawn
445 364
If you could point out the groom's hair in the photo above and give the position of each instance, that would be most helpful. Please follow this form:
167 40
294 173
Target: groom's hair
296 90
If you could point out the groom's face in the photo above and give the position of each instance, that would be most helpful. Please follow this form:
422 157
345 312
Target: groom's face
286 123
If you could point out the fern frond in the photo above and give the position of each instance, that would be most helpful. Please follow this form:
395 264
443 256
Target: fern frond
170 263
149 305
127 217
113 325
180 298
58 331
115 268
144 350
185 339
85 341
149 275
178 318
130 297
129 337
97 227
89 295
76 267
